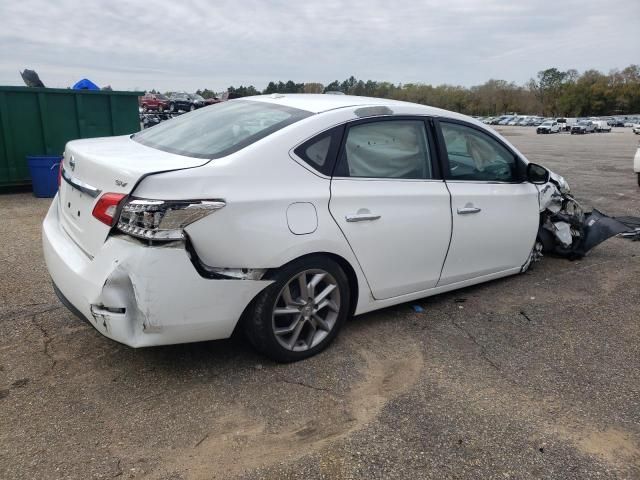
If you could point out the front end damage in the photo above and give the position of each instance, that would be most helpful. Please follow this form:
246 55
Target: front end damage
566 228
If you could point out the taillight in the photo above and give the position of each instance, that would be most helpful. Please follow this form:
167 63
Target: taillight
163 219
107 206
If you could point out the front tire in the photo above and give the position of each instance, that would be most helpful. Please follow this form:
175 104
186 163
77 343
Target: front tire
301 312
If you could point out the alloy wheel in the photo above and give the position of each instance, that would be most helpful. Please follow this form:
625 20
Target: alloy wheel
306 310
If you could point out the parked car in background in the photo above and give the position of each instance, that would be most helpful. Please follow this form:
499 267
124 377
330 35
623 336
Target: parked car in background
636 129
212 101
636 164
583 126
566 123
197 101
601 126
180 101
186 102
550 126
154 101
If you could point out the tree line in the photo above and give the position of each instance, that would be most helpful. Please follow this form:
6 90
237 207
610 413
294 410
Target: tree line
552 92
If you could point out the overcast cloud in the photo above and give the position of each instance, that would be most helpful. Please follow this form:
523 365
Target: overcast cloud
191 44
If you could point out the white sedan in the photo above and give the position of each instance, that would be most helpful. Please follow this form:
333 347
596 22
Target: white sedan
283 215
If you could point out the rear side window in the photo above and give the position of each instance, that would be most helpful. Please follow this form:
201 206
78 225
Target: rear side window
396 149
220 129
320 152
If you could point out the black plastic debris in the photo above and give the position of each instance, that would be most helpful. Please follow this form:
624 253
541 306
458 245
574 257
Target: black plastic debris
31 78
633 223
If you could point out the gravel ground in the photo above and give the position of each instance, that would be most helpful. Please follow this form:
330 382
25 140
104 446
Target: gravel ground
533 376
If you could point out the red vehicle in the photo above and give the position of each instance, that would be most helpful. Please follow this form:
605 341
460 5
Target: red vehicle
154 101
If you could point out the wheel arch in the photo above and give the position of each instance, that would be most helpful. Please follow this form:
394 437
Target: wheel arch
354 287
352 278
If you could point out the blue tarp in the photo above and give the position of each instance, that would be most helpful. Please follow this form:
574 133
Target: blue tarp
85 84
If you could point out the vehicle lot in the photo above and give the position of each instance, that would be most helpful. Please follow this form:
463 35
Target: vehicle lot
533 376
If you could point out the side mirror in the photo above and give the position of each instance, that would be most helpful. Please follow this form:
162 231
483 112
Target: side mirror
537 174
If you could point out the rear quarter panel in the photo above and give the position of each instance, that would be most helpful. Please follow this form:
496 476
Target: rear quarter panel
258 183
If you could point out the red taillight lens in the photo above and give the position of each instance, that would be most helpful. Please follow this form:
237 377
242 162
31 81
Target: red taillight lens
107 206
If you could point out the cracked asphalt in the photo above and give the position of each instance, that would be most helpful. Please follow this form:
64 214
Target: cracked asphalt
532 376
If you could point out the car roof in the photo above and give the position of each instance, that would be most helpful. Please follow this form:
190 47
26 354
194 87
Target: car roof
318 103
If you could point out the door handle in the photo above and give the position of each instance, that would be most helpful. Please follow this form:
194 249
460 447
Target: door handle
361 217
468 210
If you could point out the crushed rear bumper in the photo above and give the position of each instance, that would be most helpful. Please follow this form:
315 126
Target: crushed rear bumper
141 295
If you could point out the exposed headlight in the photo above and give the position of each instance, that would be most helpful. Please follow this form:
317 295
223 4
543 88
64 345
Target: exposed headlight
560 182
163 219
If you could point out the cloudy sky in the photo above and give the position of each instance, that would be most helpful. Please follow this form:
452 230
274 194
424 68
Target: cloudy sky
190 44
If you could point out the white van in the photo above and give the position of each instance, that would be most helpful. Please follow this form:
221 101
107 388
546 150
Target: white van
566 123
601 125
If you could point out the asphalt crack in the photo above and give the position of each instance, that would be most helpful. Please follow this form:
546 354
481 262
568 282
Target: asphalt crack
483 350
199 442
522 312
46 340
12 315
119 471
303 384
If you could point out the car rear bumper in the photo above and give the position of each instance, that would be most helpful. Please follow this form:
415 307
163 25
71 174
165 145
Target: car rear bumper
140 295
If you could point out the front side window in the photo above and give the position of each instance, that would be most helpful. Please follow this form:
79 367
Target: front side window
219 130
474 155
386 149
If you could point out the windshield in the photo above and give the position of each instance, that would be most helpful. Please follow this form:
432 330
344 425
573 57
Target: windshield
548 124
584 123
220 129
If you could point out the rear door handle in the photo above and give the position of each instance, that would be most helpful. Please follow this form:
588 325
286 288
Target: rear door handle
468 210
361 217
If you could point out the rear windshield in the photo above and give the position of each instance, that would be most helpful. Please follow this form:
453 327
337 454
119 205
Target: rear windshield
220 129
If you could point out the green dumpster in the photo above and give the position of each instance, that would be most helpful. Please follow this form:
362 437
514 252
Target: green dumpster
40 121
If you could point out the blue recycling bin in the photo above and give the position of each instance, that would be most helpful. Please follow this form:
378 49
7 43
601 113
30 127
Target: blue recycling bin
44 174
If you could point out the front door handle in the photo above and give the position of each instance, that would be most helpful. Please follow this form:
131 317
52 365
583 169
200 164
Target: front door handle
361 217
468 210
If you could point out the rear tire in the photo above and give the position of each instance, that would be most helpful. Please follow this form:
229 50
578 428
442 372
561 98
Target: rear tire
288 322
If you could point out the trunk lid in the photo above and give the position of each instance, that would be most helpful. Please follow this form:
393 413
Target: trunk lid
96 166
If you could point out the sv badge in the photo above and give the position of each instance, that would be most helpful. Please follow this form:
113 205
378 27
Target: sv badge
120 183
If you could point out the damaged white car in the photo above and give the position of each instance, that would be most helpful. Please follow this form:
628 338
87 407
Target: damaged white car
283 215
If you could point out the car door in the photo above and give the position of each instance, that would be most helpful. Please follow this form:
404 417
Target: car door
495 212
391 204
